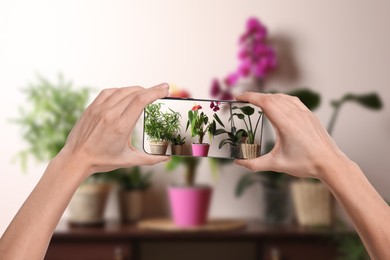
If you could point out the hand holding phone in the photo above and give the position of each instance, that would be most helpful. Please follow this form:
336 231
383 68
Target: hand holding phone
205 128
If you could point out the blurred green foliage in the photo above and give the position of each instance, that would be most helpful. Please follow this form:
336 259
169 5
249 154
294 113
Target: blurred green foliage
47 117
131 179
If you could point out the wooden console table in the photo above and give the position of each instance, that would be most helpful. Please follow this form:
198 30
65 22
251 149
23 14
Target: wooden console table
125 241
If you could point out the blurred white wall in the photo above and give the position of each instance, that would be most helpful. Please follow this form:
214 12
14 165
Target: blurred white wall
333 46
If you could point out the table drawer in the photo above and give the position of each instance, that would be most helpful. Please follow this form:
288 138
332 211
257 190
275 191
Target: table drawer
88 251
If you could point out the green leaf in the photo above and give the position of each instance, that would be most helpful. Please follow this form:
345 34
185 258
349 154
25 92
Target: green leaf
308 97
247 110
220 131
370 100
218 120
241 133
223 142
240 116
174 162
244 182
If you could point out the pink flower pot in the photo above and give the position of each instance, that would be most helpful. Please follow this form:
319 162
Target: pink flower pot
200 149
189 205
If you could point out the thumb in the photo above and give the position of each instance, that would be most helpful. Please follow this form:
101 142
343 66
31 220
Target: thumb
143 159
262 163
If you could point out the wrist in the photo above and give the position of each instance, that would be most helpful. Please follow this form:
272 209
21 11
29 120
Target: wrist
72 165
336 169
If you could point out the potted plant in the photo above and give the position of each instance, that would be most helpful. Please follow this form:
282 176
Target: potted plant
160 127
177 143
249 149
276 185
313 202
200 125
46 119
132 187
234 137
189 203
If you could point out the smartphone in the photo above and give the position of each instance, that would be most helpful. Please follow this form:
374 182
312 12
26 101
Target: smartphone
203 128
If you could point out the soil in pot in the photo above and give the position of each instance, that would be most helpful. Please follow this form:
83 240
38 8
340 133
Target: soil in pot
89 203
189 205
200 149
159 148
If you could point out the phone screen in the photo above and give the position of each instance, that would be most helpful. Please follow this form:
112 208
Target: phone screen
203 128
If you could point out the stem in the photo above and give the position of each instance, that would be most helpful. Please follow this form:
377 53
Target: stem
190 176
232 121
257 124
333 118
250 123
201 138
246 125
191 164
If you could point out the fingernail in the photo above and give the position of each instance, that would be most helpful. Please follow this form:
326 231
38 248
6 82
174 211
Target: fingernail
164 85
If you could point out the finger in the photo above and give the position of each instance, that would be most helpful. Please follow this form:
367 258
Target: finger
121 94
258 99
141 100
262 163
103 95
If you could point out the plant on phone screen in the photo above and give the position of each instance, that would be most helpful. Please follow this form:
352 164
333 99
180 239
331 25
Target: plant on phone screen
245 115
159 125
178 140
199 123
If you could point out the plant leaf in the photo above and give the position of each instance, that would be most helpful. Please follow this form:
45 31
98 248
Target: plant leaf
370 100
218 120
244 182
220 131
308 97
247 110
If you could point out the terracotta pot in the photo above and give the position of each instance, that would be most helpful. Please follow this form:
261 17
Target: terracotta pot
189 205
250 151
88 204
159 148
131 205
313 203
176 149
200 149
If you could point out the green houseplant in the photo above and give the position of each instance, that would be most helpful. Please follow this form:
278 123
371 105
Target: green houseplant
133 184
46 119
177 143
199 124
160 127
249 149
234 137
276 185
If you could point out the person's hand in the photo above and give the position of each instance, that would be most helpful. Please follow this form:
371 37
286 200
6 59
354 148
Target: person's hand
101 139
302 148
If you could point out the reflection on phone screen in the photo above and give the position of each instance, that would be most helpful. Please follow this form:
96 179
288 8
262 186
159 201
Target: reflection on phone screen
189 127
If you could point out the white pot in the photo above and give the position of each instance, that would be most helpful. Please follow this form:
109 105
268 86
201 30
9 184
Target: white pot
131 205
313 203
159 148
89 203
